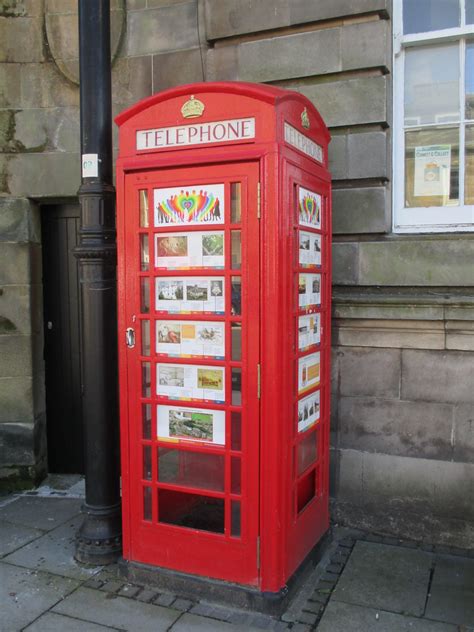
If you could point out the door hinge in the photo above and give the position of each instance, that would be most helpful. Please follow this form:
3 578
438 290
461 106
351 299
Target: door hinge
258 380
258 552
258 199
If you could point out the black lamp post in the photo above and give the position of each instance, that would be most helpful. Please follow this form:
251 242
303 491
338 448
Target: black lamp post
98 540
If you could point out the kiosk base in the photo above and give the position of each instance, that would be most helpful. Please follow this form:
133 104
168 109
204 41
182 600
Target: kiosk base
225 593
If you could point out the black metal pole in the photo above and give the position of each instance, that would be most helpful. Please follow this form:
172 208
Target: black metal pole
98 540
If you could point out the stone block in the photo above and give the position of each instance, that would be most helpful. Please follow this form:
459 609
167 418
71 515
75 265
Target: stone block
15 309
451 597
369 372
222 63
367 155
417 262
380 308
19 221
46 174
338 157
360 211
366 45
402 334
463 449
345 263
21 40
460 335
358 101
9 77
41 85
437 376
180 67
16 356
16 399
416 429
48 129
7 129
131 80
303 11
227 18
155 30
20 263
16 444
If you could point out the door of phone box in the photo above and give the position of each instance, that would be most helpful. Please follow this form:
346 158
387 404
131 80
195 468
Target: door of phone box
223 219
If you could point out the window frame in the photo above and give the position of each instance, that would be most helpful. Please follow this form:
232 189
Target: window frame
464 213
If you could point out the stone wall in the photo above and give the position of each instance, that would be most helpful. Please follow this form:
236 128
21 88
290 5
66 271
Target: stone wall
404 305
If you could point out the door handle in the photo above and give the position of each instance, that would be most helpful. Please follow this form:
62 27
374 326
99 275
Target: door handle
130 337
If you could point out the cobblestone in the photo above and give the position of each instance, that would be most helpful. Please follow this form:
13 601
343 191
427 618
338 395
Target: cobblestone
165 599
308 617
129 590
146 595
112 586
181 604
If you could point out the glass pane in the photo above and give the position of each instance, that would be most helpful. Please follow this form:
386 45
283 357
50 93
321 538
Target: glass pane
147 503
236 298
145 295
470 80
236 387
145 337
420 16
143 208
191 469
236 431
236 333
432 167
144 253
306 452
235 519
235 202
146 421
469 11
146 379
469 193
191 510
306 491
432 85
147 462
236 249
235 475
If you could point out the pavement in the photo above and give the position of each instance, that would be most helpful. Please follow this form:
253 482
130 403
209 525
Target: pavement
365 582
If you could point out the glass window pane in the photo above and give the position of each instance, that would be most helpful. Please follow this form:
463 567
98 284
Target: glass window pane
432 85
236 431
236 250
306 491
146 421
420 16
144 253
469 193
236 335
235 475
236 297
191 510
191 469
146 379
147 462
145 295
306 452
147 503
145 337
235 519
235 202
432 167
236 387
469 11
470 80
143 208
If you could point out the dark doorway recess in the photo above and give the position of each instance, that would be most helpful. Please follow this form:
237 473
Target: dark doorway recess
62 342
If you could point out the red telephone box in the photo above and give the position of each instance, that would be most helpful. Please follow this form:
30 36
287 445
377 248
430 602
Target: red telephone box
224 235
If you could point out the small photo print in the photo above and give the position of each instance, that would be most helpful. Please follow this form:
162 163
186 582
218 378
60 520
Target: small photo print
169 333
217 288
305 241
197 292
308 411
171 376
213 245
172 246
309 208
191 205
309 249
208 333
308 372
302 284
210 379
170 290
189 424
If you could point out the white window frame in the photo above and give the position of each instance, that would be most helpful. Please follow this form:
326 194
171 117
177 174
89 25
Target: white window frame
427 219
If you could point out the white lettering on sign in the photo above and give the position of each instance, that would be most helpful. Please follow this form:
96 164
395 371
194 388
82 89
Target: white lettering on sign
303 143
197 134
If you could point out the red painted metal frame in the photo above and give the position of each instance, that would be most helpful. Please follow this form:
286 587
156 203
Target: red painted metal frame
270 482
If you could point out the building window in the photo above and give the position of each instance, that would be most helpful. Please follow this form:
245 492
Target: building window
433 115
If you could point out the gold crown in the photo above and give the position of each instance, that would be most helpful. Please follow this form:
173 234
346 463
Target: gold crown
192 108
305 118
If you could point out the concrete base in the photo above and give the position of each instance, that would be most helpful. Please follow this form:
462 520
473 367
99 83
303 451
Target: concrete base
227 593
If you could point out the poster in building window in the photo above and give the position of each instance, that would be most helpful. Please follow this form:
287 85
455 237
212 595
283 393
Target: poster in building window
190 295
200 204
308 372
190 382
309 249
309 290
308 411
309 208
432 170
190 339
309 331
182 251
180 423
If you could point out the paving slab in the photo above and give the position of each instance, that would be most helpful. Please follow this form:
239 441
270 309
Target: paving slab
26 594
452 591
13 536
54 552
40 513
345 617
194 623
387 577
52 622
104 608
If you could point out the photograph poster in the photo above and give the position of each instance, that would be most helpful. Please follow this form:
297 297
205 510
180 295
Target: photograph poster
432 170
309 331
309 290
190 339
189 250
309 249
308 372
190 295
190 205
309 208
190 382
177 423
308 411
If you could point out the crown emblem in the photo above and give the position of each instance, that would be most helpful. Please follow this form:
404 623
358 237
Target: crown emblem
305 119
192 108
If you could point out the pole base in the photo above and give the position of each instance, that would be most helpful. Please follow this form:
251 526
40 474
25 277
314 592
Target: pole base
99 539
